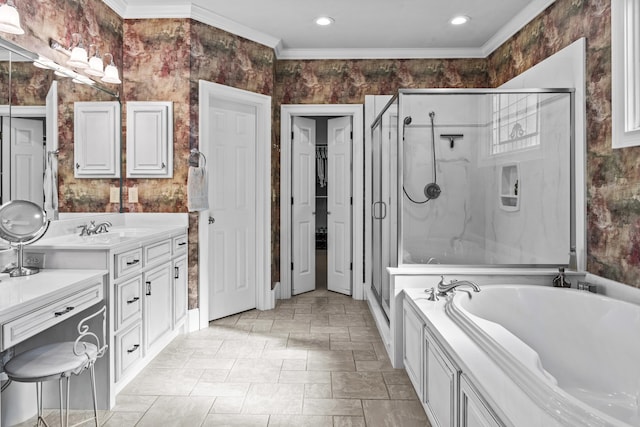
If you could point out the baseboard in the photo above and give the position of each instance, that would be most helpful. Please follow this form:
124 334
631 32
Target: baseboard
193 320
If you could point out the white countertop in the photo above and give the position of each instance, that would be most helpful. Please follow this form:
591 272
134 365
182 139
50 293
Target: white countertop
116 237
21 294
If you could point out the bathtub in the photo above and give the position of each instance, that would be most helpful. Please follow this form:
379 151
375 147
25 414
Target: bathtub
576 354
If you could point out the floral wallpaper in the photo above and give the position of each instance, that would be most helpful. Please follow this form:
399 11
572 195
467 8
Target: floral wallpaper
163 59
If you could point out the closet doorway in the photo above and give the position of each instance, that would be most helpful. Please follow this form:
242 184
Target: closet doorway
321 199
321 204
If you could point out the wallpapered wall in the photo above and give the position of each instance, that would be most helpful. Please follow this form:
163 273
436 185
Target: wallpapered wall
163 60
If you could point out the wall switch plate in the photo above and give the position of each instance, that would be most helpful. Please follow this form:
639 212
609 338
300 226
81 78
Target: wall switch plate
133 194
114 196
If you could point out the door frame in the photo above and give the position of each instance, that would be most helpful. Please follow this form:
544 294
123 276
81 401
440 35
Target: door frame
264 294
287 112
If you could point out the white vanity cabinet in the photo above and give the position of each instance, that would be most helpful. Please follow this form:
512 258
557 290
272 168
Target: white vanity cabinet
146 293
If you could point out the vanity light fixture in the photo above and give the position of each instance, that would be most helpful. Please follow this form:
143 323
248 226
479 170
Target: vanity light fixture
96 66
324 21
10 18
459 20
111 71
79 57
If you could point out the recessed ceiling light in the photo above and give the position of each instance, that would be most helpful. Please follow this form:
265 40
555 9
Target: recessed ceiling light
459 20
324 21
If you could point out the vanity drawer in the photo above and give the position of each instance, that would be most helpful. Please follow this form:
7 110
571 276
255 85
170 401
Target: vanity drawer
128 262
180 244
33 323
157 252
128 349
129 301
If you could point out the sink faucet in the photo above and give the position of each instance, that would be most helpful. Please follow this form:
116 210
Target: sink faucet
560 281
88 230
443 288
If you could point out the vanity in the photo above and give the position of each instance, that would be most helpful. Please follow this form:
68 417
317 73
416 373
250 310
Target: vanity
145 257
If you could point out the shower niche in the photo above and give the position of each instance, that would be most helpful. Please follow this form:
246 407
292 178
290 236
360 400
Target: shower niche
480 214
509 187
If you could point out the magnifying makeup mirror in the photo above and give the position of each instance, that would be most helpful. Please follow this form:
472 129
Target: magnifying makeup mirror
22 222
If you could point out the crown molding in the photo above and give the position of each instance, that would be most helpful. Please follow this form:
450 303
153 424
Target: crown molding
518 22
364 53
198 13
207 17
118 6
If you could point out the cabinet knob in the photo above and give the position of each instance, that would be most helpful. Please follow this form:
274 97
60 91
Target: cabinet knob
163 165
177 275
132 300
148 293
211 220
77 165
134 348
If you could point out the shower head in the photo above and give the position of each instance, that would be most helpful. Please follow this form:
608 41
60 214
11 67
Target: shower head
407 121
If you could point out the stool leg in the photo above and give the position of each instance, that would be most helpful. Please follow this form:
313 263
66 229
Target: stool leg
67 411
39 403
93 392
61 405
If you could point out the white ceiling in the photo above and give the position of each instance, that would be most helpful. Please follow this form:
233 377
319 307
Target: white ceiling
362 28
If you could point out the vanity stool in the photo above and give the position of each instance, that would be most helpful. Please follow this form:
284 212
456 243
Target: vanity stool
59 361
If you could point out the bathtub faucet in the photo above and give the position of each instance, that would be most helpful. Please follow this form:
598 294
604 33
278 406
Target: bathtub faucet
443 288
560 281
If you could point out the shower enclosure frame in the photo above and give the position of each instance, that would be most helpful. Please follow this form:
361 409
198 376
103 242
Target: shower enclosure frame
397 99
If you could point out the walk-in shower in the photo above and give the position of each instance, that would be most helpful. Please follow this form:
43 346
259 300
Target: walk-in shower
472 177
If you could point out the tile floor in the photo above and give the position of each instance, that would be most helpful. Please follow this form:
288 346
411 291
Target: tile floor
316 360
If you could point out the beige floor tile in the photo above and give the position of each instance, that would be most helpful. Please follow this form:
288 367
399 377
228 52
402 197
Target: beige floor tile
306 341
305 377
401 391
227 405
212 363
351 407
255 371
300 420
366 334
365 355
349 345
317 391
178 411
374 365
330 361
163 382
133 403
215 375
291 326
327 309
392 413
274 399
284 353
294 364
227 389
329 330
358 385
347 320
241 348
226 420
122 419
342 421
397 376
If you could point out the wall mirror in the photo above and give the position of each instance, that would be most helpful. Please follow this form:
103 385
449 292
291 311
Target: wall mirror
36 121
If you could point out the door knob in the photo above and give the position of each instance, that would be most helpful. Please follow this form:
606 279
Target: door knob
211 220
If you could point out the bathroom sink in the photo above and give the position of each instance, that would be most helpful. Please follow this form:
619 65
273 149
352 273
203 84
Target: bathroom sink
95 239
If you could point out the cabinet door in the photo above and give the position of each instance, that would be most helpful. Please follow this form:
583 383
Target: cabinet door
441 384
96 138
474 412
412 346
180 290
157 303
149 139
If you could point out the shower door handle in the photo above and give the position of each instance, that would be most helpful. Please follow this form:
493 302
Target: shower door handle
384 205
373 210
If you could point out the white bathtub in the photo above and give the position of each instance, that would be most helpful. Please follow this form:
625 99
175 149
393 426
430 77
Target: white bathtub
576 354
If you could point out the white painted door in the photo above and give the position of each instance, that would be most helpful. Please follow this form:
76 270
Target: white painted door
339 205
232 197
303 205
23 160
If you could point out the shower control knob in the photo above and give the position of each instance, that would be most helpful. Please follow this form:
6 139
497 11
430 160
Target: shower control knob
432 191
